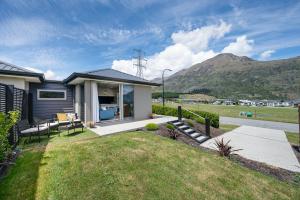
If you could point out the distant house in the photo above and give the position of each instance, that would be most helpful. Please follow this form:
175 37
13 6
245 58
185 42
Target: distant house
296 103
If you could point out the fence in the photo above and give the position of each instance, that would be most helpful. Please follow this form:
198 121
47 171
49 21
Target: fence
12 98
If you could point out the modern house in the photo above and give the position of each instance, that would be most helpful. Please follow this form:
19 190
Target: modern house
104 94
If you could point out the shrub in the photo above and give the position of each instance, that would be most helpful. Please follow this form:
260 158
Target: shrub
172 131
190 123
225 149
214 118
170 126
152 127
6 123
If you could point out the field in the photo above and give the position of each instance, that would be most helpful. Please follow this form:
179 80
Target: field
132 165
289 115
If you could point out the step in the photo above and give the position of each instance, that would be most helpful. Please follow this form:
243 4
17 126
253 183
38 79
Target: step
183 127
201 138
189 131
178 123
194 135
174 121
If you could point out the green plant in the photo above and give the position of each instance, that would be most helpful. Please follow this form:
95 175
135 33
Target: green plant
225 149
172 131
170 126
190 123
152 127
6 123
214 118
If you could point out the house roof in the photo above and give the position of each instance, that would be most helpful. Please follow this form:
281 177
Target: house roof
13 70
110 75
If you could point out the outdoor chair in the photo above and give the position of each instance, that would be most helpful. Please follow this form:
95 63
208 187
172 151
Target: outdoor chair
65 119
25 130
75 124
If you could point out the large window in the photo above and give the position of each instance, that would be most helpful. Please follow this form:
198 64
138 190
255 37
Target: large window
128 100
51 94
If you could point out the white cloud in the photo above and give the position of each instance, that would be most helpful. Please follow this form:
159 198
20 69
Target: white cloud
49 74
241 47
266 54
34 69
188 48
198 39
19 32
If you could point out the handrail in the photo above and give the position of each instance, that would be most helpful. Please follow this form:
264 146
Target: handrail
193 113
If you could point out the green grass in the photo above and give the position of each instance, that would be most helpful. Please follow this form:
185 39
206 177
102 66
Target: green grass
227 127
133 165
289 115
292 137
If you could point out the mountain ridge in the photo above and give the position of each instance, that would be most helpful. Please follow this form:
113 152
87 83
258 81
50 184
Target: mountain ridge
230 76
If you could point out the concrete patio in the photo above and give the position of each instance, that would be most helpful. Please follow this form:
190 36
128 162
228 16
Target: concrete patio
261 144
129 125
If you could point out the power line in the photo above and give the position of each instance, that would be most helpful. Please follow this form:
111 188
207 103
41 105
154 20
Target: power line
140 62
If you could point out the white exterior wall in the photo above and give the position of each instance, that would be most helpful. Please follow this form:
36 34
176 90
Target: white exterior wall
16 82
142 102
77 101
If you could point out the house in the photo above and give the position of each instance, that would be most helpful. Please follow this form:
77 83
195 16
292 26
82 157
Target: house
95 95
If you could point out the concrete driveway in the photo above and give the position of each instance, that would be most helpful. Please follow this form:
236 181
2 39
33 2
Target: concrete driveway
260 123
261 144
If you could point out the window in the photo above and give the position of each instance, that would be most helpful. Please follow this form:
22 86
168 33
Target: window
51 94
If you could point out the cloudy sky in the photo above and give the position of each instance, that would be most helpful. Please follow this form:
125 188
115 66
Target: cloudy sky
58 37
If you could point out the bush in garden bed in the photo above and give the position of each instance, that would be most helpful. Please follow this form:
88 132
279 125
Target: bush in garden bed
6 123
152 127
214 118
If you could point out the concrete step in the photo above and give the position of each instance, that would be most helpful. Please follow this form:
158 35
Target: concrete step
194 135
189 131
178 123
183 127
202 138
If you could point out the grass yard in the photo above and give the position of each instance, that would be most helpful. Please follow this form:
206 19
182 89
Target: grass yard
133 165
227 127
292 137
289 115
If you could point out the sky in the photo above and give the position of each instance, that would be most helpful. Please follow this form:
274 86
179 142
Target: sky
58 37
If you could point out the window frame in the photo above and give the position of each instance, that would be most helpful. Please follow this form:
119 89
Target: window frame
51 99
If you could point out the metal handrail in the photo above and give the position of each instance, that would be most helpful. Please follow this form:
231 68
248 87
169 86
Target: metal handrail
193 113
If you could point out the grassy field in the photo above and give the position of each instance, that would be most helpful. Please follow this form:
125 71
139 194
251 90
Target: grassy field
134 165
292 137
289 115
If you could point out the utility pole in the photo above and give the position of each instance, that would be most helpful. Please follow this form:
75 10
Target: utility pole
140 63
163 84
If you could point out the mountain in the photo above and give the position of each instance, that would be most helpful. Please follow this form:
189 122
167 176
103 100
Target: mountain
231 76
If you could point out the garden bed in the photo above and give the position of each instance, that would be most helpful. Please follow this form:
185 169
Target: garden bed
281 174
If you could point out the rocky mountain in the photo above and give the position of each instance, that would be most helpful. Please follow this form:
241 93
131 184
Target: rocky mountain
231 76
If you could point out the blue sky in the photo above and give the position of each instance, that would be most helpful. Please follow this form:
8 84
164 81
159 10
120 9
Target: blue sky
60 37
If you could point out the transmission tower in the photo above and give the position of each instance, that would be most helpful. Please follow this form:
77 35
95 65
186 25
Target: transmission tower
140 62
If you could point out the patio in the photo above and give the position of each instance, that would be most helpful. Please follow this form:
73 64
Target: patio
115 126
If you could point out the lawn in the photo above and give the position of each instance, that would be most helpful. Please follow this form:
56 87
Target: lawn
133 165
289 115
292 137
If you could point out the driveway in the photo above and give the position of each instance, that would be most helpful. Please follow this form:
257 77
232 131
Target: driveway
260 144
260 123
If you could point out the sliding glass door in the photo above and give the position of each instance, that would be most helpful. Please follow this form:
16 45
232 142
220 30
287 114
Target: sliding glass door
128 100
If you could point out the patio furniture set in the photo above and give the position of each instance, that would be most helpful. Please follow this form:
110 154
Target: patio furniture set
66 121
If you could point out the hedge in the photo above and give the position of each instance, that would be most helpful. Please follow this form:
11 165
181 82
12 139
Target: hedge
214 118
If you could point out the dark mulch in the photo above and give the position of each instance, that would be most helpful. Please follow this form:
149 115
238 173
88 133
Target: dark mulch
281 174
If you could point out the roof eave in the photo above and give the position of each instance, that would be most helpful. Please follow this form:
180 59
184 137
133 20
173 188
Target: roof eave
16 73
81 75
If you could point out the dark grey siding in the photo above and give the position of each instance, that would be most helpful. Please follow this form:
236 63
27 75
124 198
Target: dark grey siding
46 109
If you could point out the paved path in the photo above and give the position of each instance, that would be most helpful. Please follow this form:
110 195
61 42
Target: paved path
260 123
260 144
116 128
